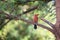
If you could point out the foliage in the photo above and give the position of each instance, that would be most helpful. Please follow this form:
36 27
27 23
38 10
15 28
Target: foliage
19 30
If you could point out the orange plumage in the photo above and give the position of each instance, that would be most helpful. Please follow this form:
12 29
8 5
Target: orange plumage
35 20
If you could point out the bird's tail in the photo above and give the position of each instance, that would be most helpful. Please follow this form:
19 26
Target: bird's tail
35 26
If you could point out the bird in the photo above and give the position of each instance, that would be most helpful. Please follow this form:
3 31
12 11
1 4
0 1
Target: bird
35 20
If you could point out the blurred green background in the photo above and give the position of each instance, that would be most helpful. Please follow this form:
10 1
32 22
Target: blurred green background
20 30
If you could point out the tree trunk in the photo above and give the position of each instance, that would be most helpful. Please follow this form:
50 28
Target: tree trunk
57 38
57 25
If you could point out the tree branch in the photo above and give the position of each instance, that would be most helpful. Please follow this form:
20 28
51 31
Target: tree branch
49 23
30 9
52 25
19 15
1 26
10 17
28 21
